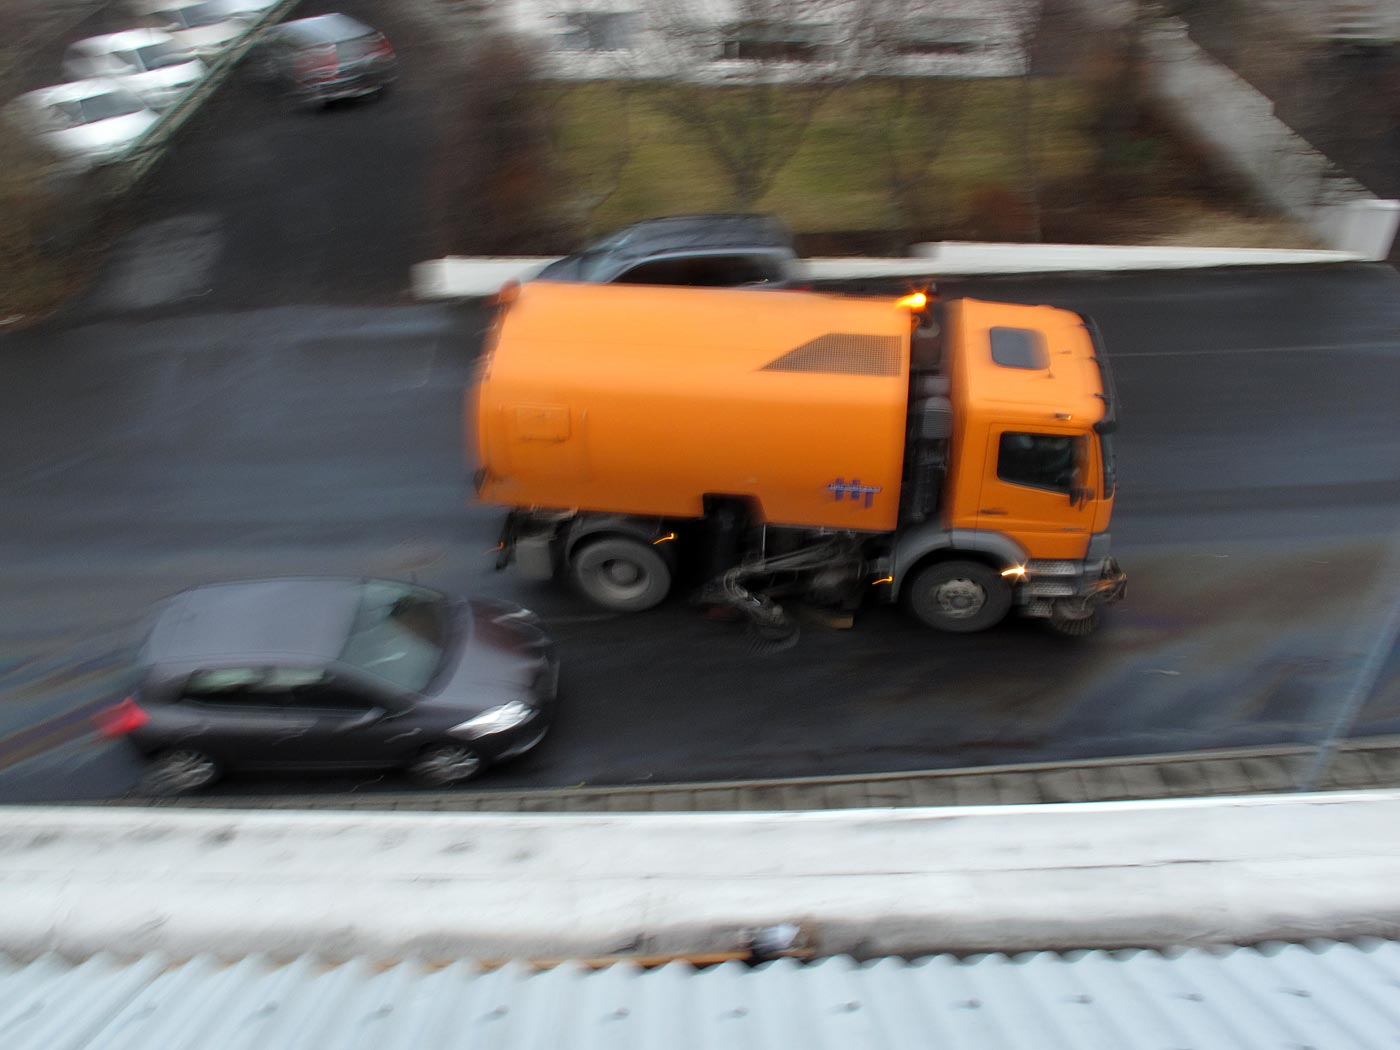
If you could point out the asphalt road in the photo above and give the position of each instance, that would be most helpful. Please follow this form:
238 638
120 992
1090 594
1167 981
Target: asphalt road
244 392
1257 516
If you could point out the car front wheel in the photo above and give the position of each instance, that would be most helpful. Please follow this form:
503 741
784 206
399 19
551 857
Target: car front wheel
445 765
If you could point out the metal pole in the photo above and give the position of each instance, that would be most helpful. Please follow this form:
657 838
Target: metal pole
1361 687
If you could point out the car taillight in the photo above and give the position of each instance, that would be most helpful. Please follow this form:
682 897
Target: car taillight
121 719
318 63
382 48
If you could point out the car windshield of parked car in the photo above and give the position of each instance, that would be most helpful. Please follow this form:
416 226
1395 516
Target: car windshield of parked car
99 107
157 56
195 15
400 634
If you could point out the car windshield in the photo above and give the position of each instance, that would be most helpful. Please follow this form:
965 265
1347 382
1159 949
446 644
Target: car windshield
99 107
400 634
196 15
158 56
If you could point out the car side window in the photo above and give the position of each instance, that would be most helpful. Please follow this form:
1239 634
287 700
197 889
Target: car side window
1042 461
704 271
227 687
222 681
255 686
323 692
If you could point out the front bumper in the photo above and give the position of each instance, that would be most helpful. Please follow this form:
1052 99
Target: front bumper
510 743
1051 586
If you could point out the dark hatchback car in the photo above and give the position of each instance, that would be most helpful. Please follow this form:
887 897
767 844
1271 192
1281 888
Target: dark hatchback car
321 59
708 251
335 674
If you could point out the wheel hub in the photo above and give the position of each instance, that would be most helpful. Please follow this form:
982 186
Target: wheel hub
183 771
451 765
621 573
961 598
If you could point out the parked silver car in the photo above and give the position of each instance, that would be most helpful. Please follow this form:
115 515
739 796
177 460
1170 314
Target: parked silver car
321 59
147 61
86 123
205 27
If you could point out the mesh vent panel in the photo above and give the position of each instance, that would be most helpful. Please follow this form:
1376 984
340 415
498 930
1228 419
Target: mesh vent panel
842 353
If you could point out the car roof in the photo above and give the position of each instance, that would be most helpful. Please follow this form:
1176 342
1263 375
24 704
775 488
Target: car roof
223 624
75 90
324 29
702 232
123 41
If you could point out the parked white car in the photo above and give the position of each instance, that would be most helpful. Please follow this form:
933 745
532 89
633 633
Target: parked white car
147 61
85 124
251 8
206 27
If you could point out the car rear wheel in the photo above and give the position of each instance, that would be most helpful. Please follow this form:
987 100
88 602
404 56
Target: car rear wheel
958 596
177 772
621 574
445 765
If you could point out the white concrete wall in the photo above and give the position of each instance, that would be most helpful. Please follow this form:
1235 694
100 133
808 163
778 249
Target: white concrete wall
683 37
1193 871
1239 122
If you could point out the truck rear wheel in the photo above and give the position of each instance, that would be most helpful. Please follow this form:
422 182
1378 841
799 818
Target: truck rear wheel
958 596
621 574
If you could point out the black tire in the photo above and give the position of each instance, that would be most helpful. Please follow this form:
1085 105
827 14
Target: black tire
178 771
446 764
960 597
621 574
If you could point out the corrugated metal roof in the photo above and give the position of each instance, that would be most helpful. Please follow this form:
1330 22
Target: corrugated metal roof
1328 995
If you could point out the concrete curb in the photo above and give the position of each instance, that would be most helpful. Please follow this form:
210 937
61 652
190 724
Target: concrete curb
867 882
1360 764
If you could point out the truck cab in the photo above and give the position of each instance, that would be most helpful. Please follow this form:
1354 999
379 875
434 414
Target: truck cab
1030 477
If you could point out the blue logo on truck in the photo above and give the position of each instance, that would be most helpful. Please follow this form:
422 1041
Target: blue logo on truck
841 488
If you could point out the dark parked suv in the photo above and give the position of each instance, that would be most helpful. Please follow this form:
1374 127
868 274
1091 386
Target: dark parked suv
317 60
708 251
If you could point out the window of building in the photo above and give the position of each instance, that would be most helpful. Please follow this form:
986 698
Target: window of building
598 31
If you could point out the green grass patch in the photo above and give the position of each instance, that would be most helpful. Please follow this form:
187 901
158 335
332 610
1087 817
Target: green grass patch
836 180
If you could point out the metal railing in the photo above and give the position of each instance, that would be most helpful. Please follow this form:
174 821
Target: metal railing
122 176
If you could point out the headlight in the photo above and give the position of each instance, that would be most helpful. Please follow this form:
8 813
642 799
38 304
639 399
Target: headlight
505 612
497 720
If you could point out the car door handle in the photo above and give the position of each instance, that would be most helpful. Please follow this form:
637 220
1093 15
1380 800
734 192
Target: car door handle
993 510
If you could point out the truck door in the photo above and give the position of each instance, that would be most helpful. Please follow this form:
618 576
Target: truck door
1039 487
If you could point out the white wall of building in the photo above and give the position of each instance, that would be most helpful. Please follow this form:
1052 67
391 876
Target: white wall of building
602 39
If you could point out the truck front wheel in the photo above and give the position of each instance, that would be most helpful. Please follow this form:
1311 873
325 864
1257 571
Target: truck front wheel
958 596
621 574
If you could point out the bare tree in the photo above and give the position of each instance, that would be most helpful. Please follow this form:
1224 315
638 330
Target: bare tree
746 78
597 165
906 124
1027 17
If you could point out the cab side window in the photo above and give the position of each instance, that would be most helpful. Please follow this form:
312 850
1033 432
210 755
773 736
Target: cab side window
1041 461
